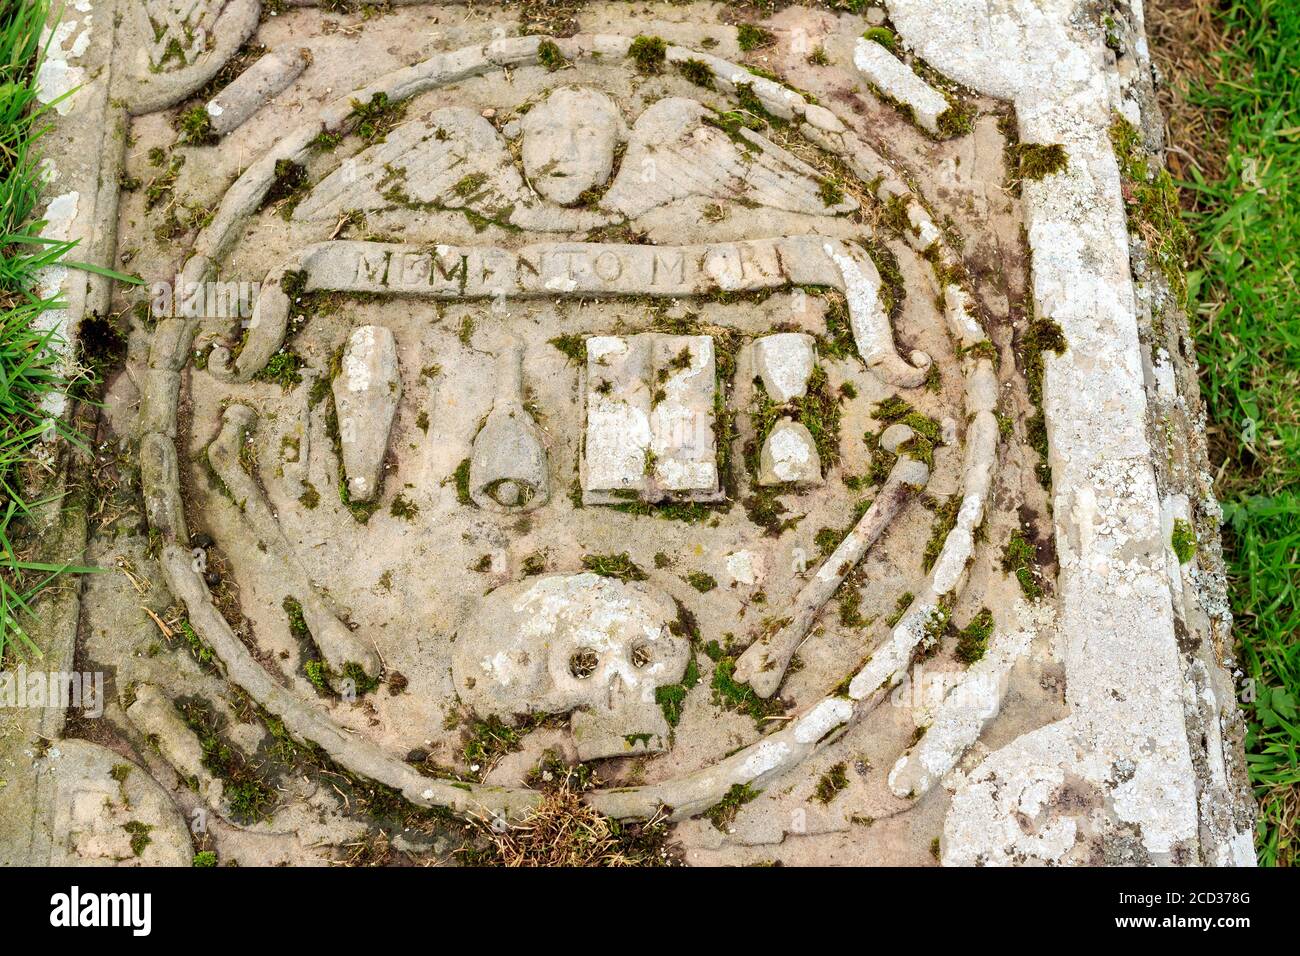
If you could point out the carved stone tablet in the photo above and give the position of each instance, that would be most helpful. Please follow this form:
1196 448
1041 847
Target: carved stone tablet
670 404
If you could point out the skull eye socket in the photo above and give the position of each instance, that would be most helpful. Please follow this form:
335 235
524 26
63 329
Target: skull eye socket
641 656
583 663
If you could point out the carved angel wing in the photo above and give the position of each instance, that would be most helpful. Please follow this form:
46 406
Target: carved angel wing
454 159
674 153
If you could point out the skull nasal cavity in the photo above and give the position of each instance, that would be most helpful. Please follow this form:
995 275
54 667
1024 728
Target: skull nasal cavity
583 664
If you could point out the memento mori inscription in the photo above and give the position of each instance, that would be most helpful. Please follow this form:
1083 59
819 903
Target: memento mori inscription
447 271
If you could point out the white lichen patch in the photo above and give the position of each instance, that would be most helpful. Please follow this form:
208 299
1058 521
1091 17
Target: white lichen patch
57 78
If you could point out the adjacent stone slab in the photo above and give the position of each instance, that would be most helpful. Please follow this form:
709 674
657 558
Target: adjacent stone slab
896 79
785 363
650 416
366 393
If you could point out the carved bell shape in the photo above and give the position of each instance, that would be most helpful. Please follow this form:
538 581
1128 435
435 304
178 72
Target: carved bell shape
507 470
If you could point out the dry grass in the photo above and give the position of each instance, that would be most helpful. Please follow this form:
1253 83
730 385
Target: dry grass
1184 36
565 831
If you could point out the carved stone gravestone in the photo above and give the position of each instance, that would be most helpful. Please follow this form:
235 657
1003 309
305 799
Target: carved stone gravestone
726 409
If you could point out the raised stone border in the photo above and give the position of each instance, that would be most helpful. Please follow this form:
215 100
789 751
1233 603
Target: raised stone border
1134 738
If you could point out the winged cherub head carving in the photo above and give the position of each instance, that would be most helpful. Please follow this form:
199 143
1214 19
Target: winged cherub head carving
569 143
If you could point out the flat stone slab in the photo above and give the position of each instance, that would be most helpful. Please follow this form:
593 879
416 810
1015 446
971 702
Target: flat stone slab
632 399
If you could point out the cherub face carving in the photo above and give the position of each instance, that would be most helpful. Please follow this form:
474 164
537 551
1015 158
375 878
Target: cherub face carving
572 642
569 143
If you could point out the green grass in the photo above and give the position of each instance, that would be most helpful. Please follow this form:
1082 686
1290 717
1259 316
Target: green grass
1246 315
30 369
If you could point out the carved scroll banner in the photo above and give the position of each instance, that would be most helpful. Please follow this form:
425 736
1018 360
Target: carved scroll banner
577 269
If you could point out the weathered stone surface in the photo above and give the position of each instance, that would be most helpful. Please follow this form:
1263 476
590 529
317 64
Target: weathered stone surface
895 436
584 643
789 456
107 811
617 442
163 505
872 331
785 361
650 415
366 392
569 142
682 442
156 717
509 51
454 158
961 716
673 153
270 322
725 229
764 662
897 80
339 646
252 88
180 46
1121 652
823 119
508 467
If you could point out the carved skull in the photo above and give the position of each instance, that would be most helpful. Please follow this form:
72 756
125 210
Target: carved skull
569 143
593 645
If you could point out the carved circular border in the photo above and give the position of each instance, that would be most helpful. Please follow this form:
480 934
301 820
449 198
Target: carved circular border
691 793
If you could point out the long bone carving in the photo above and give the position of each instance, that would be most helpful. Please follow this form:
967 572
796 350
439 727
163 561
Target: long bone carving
764 663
